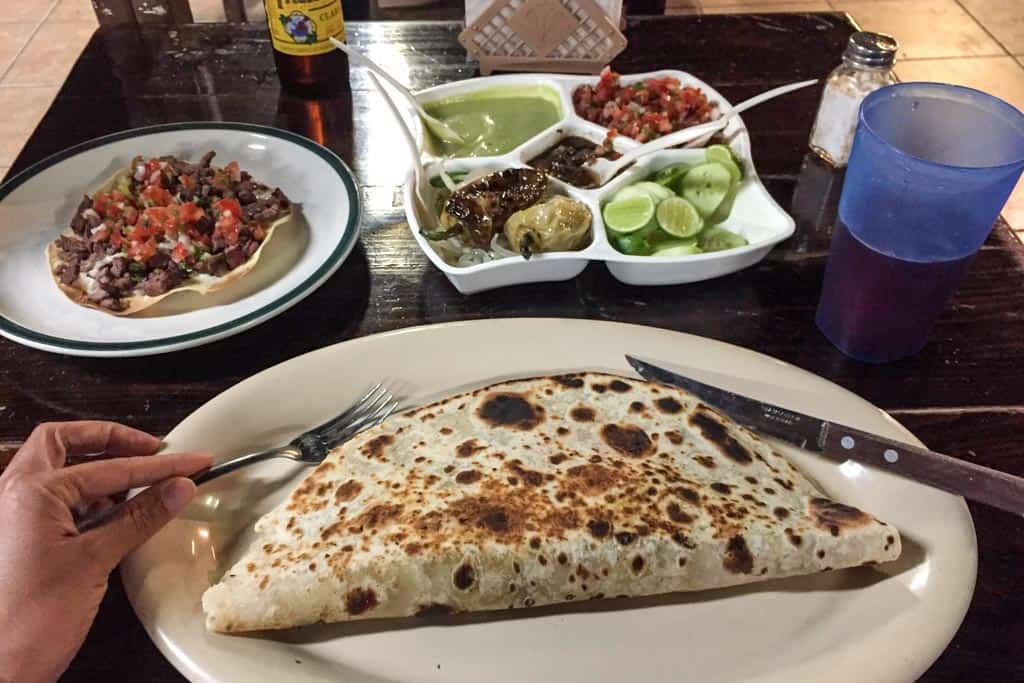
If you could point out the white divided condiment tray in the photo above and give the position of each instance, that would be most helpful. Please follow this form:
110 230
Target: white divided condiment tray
755 215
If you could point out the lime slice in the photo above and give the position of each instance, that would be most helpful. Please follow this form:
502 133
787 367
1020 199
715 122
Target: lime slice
653 190
705 186
678 217
720 239
668 176
678 248
628 215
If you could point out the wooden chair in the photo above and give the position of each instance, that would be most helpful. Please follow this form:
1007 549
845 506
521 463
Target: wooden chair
159 11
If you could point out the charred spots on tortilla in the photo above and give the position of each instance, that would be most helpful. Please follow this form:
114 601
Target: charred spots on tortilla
582 572
738 559
468 448
562 431
446 431
794 538
627 439
375 447
682 539
543 560
669 405
529 477
637 407
569 381
619 387
833 516
676 514
510 410
687 494
562 558
535 543
599 388
674 436
637 565
770 491
751 480
582 414
449 469
557 459
719 487
360 600
784 483
496 519
889 540
599 528
435 609
781 513
625 537
529 602
419 458
717 433
706 461
467 477
464 577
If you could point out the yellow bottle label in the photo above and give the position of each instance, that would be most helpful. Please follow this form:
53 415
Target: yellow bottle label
302 27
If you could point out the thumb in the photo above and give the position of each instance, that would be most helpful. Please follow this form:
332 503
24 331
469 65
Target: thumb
134 522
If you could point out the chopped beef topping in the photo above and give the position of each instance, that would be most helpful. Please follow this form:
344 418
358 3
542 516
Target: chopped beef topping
165 219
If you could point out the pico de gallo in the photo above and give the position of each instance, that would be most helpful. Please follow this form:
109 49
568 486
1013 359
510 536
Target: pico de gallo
643 110
165 221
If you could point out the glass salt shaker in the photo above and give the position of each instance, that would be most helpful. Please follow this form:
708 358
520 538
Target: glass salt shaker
867 66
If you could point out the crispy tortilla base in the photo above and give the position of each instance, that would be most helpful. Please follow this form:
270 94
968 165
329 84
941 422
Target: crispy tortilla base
140 302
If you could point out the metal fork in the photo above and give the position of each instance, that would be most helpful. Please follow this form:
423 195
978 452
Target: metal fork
313 446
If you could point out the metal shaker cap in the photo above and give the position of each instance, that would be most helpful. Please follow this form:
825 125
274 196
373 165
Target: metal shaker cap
872 50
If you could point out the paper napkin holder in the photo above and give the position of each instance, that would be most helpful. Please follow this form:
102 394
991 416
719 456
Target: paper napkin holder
564 36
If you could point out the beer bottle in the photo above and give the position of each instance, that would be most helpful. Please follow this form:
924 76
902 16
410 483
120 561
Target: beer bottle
307 63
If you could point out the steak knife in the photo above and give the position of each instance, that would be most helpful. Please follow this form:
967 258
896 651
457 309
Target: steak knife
840 442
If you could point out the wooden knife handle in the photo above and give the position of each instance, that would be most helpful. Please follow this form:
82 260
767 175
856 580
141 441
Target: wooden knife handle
966 479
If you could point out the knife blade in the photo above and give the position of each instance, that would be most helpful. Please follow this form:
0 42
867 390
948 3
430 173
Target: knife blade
841 442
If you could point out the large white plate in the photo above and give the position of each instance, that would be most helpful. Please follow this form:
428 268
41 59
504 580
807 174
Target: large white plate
855 625
38 203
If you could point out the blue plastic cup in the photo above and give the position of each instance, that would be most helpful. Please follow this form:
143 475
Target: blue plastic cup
930 169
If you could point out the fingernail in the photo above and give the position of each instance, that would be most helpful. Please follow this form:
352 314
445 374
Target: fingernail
176 494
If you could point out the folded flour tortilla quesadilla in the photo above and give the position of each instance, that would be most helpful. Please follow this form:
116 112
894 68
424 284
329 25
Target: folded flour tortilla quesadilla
532 492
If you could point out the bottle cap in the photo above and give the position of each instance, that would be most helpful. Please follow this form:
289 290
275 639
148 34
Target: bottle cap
871 49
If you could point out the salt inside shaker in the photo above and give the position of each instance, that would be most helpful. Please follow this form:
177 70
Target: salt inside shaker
867 66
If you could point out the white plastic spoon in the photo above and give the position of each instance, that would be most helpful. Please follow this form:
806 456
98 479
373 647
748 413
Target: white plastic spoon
438 127
609 169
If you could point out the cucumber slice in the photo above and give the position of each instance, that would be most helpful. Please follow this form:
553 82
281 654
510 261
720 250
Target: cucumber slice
706 186
679 248
678 217
628 215
670 175
645 188
720 239
725 156
725 208
634 244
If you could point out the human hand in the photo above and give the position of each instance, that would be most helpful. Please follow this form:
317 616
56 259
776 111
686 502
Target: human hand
53 577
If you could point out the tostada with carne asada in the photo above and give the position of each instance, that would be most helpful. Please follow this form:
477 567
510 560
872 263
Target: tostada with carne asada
161 226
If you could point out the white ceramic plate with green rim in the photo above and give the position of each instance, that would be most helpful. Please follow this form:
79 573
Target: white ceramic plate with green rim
38 203
863 624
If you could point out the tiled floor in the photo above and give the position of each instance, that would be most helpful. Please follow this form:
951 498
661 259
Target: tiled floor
979 43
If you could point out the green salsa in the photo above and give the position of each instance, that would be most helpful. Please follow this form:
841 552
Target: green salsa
496 120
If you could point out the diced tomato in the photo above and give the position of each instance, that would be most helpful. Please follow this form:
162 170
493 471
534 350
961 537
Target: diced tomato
107 204
158 195
131 215
179 253
142 251
189 213
152 166
116 238
155 221
102 233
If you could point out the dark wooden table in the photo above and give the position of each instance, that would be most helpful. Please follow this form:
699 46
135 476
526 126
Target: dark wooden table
963 394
